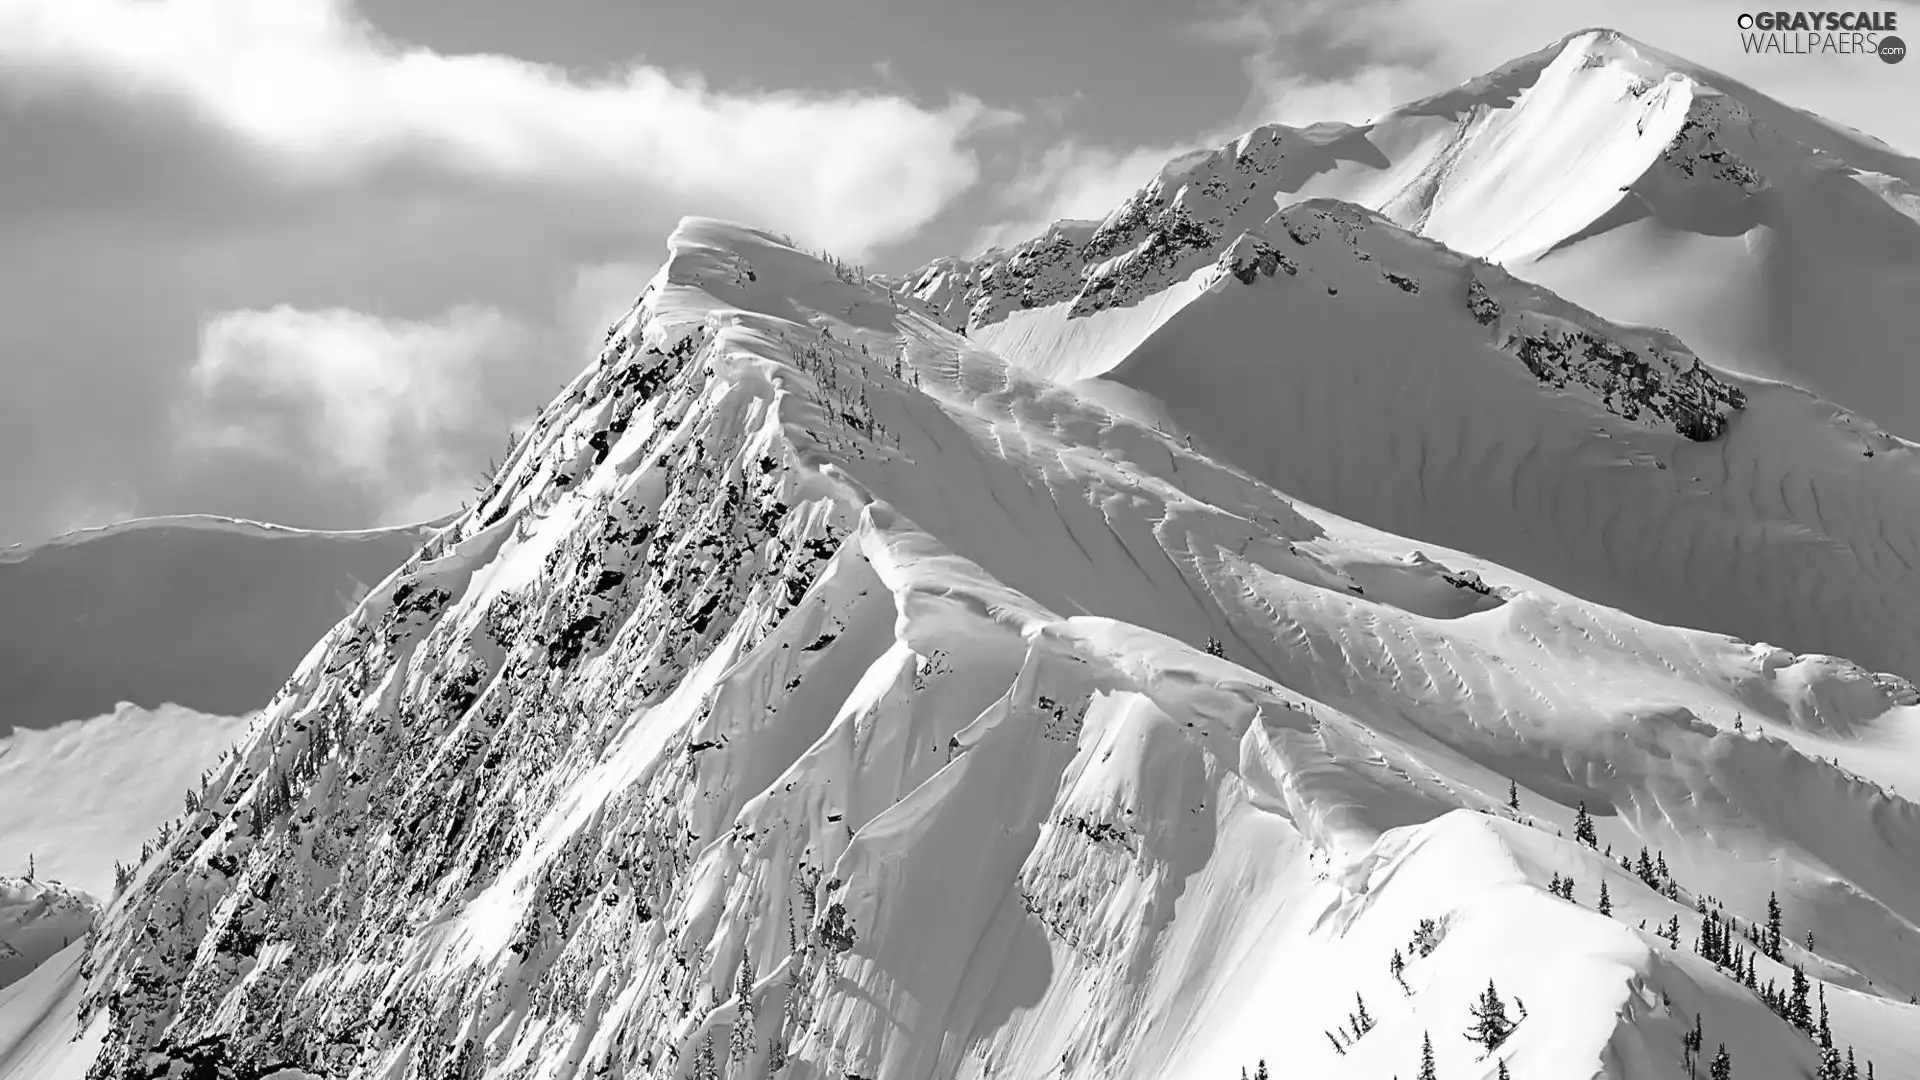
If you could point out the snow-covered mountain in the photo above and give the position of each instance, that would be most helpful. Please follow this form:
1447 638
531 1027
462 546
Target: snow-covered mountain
1630 181
1797 527
81 797
1261 636
38 919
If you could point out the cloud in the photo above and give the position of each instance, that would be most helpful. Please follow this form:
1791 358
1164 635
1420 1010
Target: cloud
1071 179
318 90
384 403
211 204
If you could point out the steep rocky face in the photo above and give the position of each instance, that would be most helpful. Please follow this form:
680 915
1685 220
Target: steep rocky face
815 695
1184 218
1640 376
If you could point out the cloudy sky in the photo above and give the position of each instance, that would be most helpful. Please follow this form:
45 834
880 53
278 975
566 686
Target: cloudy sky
310 260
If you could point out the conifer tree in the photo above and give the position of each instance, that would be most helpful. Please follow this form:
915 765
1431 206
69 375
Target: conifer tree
1260 1070
1503 1074
1362 1022
740 1044
1490 1023
1606 900
1513 796
1427 1071
1690 1045
1798 1012
1583 827
1772 944
704 1067
1722 1065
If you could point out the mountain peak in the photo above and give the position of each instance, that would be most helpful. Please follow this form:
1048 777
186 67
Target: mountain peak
1026 669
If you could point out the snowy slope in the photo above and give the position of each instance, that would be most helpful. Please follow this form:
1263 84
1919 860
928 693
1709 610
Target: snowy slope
819 694
1775 516
1633 182
205 612
40 1038
38 918
81 796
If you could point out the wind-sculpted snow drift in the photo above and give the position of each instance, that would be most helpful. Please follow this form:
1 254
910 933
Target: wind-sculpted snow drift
817 694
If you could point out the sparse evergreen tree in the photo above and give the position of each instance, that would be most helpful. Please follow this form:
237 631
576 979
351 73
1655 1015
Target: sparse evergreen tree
1825 1033
1690 1045
1513 796
1606 899
1644 868
740 1044
1809 941
1260 1070
1426 937
1772 944
1427 1071
1362 1022
1215 648
1722 1065
704 1066
1337 1047
1490 1023
1583 827
1503 1074
29 866
1853 1070
1799 1013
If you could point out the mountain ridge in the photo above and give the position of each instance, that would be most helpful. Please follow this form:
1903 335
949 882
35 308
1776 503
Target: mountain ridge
1275 621
794 601
1607 171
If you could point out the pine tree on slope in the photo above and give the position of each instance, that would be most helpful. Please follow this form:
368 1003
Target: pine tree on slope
1583 827
1722 1065
1362 1021
740 1044
1772 943
1490 1023
1690 1045
1606 899
1798 1012
1427 1071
